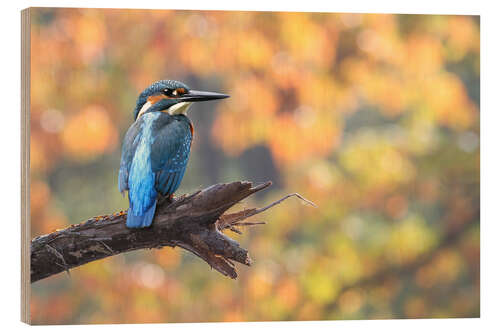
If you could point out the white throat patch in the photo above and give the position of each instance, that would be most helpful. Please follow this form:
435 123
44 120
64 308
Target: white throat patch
179 108
144 108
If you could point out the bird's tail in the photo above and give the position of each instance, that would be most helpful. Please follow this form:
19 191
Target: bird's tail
141 221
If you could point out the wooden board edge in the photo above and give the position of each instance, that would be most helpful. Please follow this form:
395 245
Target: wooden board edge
25 164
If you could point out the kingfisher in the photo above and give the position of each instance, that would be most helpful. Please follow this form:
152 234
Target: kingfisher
156 148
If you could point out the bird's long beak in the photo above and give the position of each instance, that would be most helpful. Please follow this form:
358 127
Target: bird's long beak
198 96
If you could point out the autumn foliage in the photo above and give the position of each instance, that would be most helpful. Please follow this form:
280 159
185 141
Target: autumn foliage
375 118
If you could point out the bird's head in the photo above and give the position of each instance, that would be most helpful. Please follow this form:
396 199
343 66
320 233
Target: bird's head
172 97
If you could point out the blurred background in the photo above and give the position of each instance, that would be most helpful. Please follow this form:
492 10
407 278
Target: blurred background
375 118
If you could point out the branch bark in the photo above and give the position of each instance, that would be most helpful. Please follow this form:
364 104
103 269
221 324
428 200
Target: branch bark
194 222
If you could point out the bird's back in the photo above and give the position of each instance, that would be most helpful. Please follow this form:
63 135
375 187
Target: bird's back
170 152
154 159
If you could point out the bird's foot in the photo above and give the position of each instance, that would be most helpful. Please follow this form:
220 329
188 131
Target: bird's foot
165 199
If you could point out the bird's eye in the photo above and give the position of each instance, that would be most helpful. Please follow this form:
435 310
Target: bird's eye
174 92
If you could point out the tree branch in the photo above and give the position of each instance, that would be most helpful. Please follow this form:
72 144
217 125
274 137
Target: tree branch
193 222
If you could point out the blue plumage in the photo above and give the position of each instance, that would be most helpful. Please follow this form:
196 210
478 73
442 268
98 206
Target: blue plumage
156 147
161 145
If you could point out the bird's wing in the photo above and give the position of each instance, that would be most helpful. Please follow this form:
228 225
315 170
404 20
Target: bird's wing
130 143
170 154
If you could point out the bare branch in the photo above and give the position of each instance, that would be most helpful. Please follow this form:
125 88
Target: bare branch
229 221
193 222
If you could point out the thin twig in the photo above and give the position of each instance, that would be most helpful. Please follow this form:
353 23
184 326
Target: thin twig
230 220
260 210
